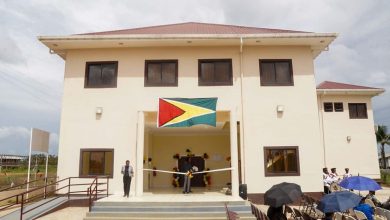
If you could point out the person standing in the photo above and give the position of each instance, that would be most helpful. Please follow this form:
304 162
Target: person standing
187 169
347 174
128 173
326 180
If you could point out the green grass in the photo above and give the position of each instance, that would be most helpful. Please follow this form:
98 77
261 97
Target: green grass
385 176
19 175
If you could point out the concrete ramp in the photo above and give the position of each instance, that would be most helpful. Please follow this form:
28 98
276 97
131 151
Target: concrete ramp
37 212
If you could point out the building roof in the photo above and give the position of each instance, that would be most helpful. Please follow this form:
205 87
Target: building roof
328 87
189 34
337 85
194 28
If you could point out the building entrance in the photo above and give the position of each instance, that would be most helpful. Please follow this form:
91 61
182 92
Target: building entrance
197 180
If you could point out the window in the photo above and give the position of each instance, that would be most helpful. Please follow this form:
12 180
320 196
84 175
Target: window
101 74
276 73
281 161
96 162
161 73
357 110
328 106
215 72
338 107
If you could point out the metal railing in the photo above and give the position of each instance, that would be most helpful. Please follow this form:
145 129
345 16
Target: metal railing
23 198
21 186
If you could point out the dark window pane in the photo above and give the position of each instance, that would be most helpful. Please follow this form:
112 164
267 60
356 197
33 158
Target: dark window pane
352 110
222 72
154 73
169 73
94 75
276 72
279 161
361 111
338 107
328 106
161 73
282 70
101 74
207 72
268 72
108 74
96 163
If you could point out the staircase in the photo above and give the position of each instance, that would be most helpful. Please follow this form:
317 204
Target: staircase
154 210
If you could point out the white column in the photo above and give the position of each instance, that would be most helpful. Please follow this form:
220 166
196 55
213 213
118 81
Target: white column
234 153
139 182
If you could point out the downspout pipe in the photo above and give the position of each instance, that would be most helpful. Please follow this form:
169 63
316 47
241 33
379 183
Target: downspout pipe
242 127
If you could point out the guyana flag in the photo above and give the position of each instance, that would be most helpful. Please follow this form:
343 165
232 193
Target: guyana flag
181 112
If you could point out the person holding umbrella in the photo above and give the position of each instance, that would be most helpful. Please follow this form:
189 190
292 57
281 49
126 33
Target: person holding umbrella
365 208
279 195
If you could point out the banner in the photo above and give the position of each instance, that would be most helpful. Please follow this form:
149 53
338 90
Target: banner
182 112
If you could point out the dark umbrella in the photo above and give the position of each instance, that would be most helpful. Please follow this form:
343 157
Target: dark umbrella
338 201
360 183
282 193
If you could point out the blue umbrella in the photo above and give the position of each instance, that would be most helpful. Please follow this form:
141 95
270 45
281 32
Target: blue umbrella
360 183
338 201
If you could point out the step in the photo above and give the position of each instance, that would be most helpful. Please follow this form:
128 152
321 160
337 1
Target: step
110 215
168 218
173 203
169 208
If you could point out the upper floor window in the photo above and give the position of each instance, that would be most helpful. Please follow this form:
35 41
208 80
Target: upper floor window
276 73
101 74
281 161
215 72
96 162
357 110
161 72
328 106
338 107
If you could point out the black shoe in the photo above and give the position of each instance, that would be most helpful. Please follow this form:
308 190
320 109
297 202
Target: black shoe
124 195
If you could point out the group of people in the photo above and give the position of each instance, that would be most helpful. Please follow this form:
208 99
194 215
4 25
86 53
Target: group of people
128 172
332 177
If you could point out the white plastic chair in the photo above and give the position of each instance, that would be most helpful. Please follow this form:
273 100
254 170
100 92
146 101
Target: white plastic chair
360 215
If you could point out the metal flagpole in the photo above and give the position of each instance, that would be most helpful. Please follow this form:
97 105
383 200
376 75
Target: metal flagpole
29 164
47 161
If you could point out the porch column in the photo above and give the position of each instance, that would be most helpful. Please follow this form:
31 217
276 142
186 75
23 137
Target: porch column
234 153
139 179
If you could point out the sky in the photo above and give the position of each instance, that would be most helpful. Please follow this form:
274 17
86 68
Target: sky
31 79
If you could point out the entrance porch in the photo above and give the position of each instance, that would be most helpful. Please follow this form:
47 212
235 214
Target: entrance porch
164 148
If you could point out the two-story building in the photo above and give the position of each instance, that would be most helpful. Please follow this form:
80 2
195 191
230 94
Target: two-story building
270 122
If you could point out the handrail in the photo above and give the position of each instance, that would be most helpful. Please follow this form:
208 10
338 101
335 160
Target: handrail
93 191
25 200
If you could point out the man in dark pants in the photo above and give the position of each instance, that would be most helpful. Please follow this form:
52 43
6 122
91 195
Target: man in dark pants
187 168
127 172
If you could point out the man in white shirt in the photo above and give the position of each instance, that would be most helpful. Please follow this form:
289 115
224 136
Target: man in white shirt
128 173
327 180
347 174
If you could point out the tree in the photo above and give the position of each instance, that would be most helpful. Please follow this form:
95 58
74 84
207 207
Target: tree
382 138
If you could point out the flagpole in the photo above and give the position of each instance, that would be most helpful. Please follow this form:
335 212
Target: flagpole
47 160
29 164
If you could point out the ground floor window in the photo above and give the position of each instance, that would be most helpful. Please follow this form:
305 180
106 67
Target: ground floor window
96 162
281 161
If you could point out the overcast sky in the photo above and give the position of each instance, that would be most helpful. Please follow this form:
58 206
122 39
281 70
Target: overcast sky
31 79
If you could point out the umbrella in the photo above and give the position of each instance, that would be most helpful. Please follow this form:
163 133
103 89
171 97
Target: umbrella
360 183
282 193
338 201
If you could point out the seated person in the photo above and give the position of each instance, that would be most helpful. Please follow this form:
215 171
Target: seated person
371 196
365 208
276 213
